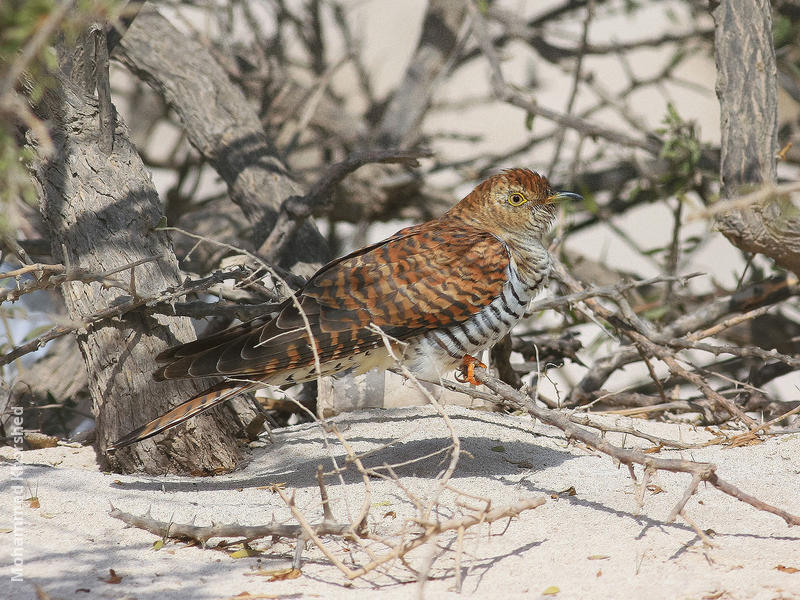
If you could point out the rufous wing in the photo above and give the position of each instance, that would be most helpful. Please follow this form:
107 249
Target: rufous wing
424 277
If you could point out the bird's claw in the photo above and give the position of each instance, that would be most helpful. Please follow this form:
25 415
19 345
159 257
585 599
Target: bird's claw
466 373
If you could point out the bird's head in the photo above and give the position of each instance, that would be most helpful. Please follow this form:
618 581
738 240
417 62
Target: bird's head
514 202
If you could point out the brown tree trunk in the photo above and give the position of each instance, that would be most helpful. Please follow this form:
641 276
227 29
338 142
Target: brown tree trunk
101 208
748 95
438 41
222 125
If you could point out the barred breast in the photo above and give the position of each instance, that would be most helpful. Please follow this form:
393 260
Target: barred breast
439 351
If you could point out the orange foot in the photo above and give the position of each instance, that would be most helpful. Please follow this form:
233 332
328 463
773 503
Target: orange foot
466 373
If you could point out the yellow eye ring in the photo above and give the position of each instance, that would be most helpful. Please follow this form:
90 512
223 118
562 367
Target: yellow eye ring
516 199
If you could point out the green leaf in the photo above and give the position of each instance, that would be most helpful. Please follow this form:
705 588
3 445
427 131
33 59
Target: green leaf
529 121
781 30
244 553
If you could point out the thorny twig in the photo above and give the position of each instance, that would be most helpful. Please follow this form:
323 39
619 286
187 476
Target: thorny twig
50 276
644 337
328 526
125 305
699 471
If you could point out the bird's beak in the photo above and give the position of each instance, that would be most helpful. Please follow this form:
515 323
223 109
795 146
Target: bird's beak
560 196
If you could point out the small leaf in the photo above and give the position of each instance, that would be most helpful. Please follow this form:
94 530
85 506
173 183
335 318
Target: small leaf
551 591
785 569
244 553
112 577
529 121
498 449
598 557
158 545
283 574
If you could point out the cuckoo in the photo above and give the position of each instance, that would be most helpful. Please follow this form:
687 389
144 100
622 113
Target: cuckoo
439 293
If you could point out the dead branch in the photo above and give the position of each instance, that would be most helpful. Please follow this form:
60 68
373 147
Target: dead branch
682 333
328 526
507 93
674 366
51 276
658 441
699 471
296 209
754 431
444 32
766 193
608 291
125 304
201 533
219 122
435 528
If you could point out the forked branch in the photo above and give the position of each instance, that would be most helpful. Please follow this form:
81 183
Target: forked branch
630 457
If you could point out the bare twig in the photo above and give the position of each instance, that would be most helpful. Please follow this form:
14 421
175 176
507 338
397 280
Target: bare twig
576 80
203 533
296 209
658 441
753 433
608 291
434 528
765 193
701 471
507 93
126 305
51 276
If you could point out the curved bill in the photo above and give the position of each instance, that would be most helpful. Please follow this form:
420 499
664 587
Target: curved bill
561 196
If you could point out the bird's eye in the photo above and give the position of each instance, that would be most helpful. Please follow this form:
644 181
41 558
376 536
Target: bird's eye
516 199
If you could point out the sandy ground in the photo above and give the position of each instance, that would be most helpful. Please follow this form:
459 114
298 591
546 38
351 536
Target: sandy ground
593 544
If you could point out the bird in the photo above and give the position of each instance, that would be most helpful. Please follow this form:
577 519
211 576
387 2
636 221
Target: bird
439 293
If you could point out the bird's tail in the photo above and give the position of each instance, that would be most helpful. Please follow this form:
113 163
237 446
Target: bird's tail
193 406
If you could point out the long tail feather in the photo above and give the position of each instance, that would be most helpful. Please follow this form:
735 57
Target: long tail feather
202 402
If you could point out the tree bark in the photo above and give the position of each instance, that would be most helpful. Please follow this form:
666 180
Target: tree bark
748 95
438 41
222 125
101 209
